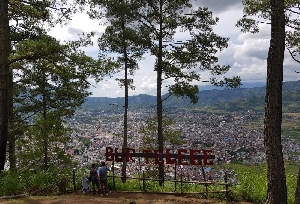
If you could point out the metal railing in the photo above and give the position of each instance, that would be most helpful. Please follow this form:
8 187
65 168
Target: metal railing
225 185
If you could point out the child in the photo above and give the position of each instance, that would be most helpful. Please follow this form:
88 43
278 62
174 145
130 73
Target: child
85 184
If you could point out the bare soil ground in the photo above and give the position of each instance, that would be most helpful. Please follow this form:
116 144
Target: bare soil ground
114 198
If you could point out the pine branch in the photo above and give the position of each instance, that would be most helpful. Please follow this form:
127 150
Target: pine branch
295 12
39 5
166 97
293 55
25 57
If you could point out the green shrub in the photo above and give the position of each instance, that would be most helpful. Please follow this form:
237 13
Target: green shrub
22 181
291 180
252 185
11 184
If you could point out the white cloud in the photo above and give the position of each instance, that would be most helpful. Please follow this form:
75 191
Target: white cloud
264 33
219 6
226 25
80 23
246 53
252 48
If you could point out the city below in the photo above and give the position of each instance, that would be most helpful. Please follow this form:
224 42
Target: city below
232 137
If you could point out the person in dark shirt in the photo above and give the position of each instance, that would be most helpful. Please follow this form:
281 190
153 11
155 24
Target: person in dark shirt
95 181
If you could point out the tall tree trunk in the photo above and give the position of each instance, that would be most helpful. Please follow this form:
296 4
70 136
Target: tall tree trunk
4 79
44 129
45 138
159 95
126 100
125 126
297 194
277 191
11 134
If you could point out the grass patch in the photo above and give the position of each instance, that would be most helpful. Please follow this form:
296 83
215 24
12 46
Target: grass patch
252 185
292 133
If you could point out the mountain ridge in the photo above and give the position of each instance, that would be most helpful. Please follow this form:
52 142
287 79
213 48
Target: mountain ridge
215 98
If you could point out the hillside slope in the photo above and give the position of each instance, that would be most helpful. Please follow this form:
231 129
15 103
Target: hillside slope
239 99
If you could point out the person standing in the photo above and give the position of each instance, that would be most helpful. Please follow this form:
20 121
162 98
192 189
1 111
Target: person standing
95 181
85 184
103 178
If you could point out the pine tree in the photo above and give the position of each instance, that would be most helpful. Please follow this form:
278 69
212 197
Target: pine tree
281 14
26 17
160 19
121 38
50 89
277 191
4 79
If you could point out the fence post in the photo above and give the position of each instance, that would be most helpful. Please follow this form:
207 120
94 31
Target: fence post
140 174
113 172
206 190
226 184
180 183
74 178
175 176
143 181
204 178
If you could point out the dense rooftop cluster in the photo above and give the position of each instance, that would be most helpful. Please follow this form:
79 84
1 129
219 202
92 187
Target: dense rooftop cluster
228 136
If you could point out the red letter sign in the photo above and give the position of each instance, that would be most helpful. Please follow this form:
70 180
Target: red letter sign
193 159
168 159
108 154
117 158
180 157
158 156
205 157
146 151
129 154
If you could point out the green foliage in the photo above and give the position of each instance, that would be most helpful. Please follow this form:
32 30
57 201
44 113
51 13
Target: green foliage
120 38
24 181
137 26
252 102
86 142
149 134
130 185
59 75
256 102
252 182
10 185
183 62
292 133
41 144
47 74
150 139
252 185
51 83
168 186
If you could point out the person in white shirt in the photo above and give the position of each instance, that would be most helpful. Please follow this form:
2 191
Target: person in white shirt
85 184
102 172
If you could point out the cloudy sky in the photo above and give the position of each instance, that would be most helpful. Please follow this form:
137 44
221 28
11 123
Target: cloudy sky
246 53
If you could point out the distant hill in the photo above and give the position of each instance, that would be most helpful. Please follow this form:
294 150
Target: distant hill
239 99
244 85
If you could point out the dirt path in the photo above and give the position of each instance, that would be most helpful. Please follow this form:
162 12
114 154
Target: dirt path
114 197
